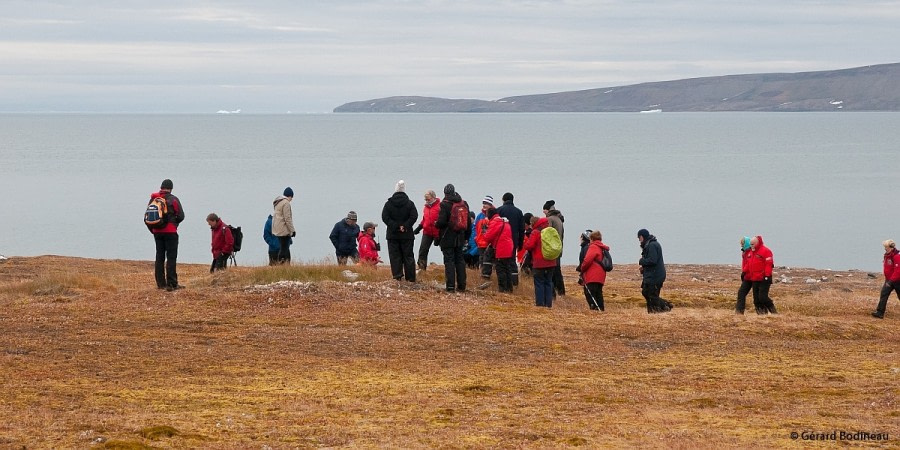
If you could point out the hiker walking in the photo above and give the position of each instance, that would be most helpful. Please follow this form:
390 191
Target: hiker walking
653 270
556 219
891 277
368 247
344 237
746 284
516 219
455 227
500 240
165 233
592 271
222 242
273 241
283 225
399 216
542 268
760 271
429 232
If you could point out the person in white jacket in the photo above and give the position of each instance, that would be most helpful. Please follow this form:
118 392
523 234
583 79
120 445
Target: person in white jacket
283 225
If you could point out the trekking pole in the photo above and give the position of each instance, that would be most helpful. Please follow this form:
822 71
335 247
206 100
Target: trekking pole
233 260
592 297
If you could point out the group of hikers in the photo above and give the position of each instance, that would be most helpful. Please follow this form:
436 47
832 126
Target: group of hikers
497 239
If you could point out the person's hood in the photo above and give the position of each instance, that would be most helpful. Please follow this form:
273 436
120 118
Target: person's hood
278 199
435 201
218 226
600 244
745 243
453 198
399 199
760 240
649 239
541 224
160 194
555 212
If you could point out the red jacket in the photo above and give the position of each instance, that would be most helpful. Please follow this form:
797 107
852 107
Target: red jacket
761 262
222 240
367 252
480 228
591 270
499 234
176 215
745 261
429 217
892 266
534 246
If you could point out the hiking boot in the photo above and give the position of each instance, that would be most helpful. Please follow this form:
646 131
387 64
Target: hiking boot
772 310
877 315
739 311
450 290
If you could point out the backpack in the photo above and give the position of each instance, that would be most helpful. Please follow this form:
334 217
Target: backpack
459 216
157 214
238 237
551 244
606 261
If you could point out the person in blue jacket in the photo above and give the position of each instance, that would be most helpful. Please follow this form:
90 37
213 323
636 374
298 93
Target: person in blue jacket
470 250
344 238
272 240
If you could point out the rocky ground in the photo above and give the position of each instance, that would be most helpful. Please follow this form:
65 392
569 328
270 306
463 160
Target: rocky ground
93 355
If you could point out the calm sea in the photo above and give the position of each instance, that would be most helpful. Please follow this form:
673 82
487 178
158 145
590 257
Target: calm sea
819 187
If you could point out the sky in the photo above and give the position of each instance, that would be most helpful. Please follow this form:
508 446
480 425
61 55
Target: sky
279 56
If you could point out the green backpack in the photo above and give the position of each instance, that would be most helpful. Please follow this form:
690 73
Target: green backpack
551 244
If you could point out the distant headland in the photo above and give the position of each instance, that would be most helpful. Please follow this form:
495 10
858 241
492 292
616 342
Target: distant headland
868 88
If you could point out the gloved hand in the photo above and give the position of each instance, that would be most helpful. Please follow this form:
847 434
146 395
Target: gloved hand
418 229
767 279
889 284
742 276
293 234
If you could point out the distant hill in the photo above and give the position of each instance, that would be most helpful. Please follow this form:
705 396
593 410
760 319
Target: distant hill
869 88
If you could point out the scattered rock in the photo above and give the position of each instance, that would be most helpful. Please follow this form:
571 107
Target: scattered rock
784 279
811 281
350 275
871 275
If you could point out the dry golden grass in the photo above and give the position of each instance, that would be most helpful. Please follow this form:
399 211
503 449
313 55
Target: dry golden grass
93 355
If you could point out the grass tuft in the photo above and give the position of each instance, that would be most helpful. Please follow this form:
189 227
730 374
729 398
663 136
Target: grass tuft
158 432
58 284
245 276
125 445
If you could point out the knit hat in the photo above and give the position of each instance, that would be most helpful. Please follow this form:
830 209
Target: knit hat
288 192
508 197
166 184
549 205
400 187
644 233
351 215
449 189
586 235
488 199
368 225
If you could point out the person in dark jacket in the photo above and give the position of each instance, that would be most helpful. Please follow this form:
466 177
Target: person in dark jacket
556 219
585 242
746 284
167 239
222 242
891 277
344 238
516 219
452 241
653 269
273 241
399 216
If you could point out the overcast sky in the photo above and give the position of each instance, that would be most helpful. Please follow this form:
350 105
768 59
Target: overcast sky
274 56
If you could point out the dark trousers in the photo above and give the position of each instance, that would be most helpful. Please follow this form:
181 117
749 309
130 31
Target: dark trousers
166 258
514 271
487 262
655 303
543 287
273 258
424 247
284 253
559 285
761 300
504 274
219 263
400 252
455 269
593 292
741 304
342 259
885 294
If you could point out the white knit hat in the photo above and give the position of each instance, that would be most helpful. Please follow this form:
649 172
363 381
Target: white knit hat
400 187
488 199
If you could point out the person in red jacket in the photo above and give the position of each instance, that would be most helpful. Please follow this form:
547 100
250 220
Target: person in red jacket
499 236
430 233
542 269
759 269
746 284
166 238
368 248
592 272
222 242
891 277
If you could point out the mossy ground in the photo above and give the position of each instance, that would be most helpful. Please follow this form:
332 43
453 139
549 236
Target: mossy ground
93 354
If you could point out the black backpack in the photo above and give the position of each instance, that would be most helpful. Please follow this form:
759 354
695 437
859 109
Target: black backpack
238 237
606 263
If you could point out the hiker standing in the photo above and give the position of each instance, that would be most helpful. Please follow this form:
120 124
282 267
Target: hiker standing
592 271
273 241
542 269
485 256
524 256
455 227
283 225
891 277
585 242
344 236
653 269
399 216
470 250
430 232
516 220
368 248
166 237
556 219
222 242
499 237
760 271
746 284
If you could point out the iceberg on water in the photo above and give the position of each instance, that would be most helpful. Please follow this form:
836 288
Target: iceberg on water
222 111
410 104
836 102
